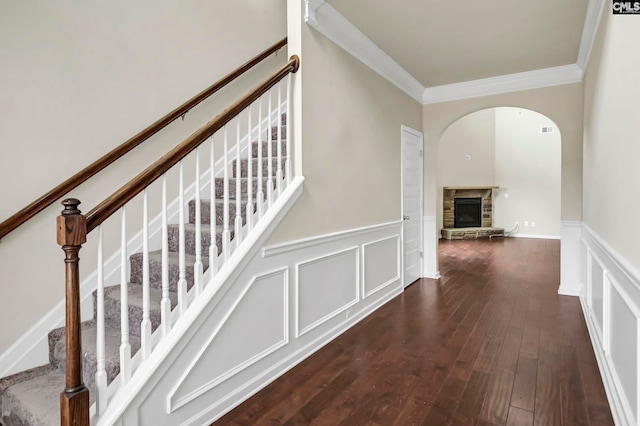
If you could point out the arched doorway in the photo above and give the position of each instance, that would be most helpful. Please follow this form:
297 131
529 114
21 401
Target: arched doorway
561 104
512 158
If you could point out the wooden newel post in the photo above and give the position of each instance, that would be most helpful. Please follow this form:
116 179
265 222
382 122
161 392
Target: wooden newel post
72 233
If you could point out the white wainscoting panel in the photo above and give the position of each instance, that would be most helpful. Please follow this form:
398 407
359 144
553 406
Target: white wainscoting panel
246 334
254 327
610 297
381 264
570 258
326 287
430 243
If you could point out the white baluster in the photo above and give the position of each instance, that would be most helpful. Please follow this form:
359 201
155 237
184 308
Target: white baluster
260 194
182 269
287 167
269 155
238 222
279 175
101 374
165 304
145 326
213 247
249 209
226 234
198 268
125 346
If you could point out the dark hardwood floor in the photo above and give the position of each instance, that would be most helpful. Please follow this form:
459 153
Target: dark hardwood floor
490 343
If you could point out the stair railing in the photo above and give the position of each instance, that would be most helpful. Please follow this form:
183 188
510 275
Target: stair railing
82 176
73 228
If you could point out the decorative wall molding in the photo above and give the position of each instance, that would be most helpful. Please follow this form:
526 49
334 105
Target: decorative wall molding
610 298
329 22
565 74
589 31
199 335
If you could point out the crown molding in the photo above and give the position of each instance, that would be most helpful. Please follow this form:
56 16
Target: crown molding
589 31
328 21
565 74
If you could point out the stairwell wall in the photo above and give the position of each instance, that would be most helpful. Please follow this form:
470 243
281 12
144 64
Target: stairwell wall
351 148
79 78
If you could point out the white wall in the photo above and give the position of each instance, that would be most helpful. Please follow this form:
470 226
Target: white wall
610 253
527 170
81 76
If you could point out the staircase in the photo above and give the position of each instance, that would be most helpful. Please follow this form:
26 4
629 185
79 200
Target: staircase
32 397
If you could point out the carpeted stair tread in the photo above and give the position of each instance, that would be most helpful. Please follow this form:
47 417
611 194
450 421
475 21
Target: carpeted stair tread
155 269
35 401
112 307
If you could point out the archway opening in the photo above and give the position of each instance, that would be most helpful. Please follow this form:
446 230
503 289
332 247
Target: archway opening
510 158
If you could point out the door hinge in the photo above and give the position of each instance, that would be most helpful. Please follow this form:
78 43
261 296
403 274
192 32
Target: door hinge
421 254
420 153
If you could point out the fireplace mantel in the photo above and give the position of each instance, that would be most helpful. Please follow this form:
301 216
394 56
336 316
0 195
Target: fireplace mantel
480 188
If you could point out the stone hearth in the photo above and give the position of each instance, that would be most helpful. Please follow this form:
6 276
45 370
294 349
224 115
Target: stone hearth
485 193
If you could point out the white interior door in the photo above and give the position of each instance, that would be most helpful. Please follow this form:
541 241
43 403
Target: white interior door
412 203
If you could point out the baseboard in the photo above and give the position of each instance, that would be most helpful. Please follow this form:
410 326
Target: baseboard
541 237
610 298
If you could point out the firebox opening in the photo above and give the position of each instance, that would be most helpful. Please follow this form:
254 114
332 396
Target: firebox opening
468 212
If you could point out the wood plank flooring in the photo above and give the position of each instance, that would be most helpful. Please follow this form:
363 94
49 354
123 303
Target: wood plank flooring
490 343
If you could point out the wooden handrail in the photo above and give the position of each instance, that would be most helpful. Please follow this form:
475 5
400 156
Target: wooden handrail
119 198
74 181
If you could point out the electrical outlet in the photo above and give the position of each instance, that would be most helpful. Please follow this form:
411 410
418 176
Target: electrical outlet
467 157
506 195
533 224
348 313
526 223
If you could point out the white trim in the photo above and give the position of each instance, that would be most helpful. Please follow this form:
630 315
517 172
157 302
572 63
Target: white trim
536 236
398 241
329 22
303 243
589 31
430 247
570 258
565 74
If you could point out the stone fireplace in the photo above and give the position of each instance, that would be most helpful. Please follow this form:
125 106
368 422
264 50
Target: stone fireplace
467 212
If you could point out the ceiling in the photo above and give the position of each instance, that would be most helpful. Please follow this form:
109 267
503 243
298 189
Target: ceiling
441 43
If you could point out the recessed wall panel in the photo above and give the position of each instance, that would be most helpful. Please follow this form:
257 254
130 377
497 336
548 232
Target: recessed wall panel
325 287
624 332
597 293
381 266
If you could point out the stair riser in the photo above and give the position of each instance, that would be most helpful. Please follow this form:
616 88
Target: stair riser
274 133
205 214
190 240
112 315
155 271
265 148
243 187
244 167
